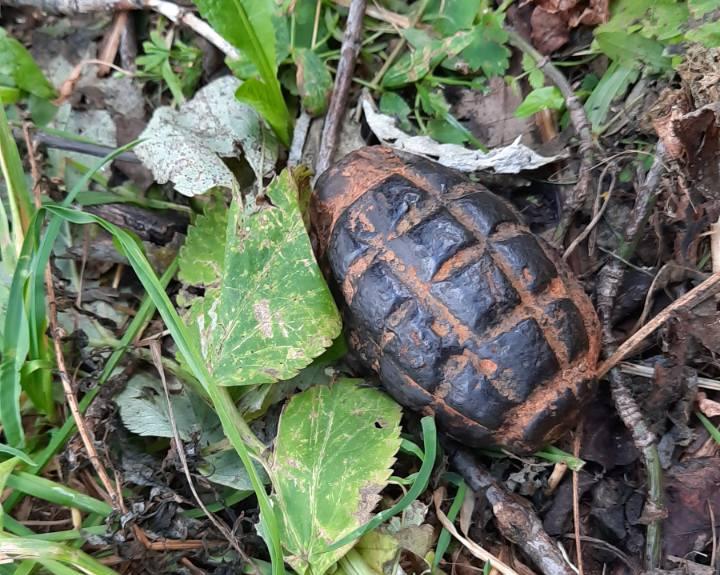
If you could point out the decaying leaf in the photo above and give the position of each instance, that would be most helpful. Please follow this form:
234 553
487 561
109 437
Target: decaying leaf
226 468
186 146
314 81
334 450
272 312
511 159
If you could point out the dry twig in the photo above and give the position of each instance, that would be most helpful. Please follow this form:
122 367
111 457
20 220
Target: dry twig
111 43
515 518
343 78
692 298
471 546
580 122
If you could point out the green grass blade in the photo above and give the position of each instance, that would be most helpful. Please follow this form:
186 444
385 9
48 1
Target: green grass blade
18 194
235 428
61 436
56 493
423 477
14 548
444 538
711 429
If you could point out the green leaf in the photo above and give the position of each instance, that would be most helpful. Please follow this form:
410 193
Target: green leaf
334 451
203 253
393 104
17 64
314 81
612 85
6 468
632 49
415 66
548 97
456 15
488 49
273 312
536 78
143 410
226 468
660 19
247 24
698 8
708 34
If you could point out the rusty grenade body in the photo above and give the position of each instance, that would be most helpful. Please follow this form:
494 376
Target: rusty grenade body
462 312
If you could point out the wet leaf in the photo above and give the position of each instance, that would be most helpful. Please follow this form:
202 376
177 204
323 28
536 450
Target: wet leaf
272 312
334 452
18 67
202 255
547 97
314 81
186 146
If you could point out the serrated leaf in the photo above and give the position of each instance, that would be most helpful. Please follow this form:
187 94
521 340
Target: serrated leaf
185 146
632 49
418 64
333 455
536 78
314 81
17 65
487 50
547 97
203 253
273 312
144 411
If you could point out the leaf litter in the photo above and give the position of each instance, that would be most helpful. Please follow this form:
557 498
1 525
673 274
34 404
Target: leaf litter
253 262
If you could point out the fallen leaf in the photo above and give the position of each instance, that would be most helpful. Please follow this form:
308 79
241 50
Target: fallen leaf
185 146
709 407
549 30
511 159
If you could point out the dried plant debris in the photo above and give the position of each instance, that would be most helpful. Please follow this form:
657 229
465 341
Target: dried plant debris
511 159
186 146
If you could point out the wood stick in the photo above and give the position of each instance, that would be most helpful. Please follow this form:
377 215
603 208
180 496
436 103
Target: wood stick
343 79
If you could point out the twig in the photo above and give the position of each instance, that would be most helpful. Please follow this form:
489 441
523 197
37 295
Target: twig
649 372
180 450
471 546
343 79
515 518
579 120
383 14
112 42
88 442
646 442
98 150
299 137
612 274
598 216
692 298
173 12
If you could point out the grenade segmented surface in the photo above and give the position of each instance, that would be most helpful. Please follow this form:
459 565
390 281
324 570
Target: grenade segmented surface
459 308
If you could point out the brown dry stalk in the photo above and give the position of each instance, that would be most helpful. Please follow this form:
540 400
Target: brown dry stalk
478 551
343 79
111 42
577 442
692 298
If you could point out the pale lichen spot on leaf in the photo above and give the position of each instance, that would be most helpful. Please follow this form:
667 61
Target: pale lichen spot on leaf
263 315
